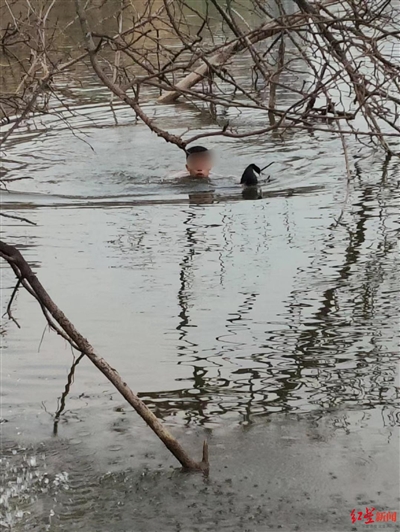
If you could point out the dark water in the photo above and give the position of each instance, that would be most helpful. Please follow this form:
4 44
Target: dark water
262 326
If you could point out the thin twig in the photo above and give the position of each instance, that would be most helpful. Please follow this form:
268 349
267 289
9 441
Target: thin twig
20 218
8 311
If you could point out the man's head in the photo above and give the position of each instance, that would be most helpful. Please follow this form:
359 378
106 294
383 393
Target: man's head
198 161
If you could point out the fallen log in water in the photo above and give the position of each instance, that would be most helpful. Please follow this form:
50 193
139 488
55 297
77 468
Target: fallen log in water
263 32
61 324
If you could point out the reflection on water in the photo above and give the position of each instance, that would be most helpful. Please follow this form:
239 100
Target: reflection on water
325 347
218 311
64 395
200 198
252 193
277 310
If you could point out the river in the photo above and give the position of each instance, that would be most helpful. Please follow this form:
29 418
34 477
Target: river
262 326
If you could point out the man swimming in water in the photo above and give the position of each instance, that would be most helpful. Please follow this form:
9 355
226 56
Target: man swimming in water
198 163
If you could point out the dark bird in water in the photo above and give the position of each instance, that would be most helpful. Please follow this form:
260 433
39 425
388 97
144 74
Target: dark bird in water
249 181
251 175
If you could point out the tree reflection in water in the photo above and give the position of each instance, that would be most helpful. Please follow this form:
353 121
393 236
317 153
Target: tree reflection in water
331 345
328 354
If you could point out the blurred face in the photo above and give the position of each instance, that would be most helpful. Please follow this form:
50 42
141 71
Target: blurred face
199 164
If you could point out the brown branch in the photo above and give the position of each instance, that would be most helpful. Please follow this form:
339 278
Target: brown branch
26 276
11 179
275 81
263 32
358 81
332 52
14 217
174 139
8 312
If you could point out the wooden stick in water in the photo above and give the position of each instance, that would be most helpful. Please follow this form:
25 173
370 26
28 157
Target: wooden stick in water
61 324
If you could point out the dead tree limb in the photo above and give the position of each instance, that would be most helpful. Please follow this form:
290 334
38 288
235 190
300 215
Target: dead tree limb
115 89
9 311
358 80
261 33
59 322
20 218
341 52
275 80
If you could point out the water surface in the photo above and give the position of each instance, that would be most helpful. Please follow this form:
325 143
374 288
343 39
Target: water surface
262 326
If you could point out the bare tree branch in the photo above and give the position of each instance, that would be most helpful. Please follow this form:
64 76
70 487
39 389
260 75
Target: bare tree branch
57 320
339 64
